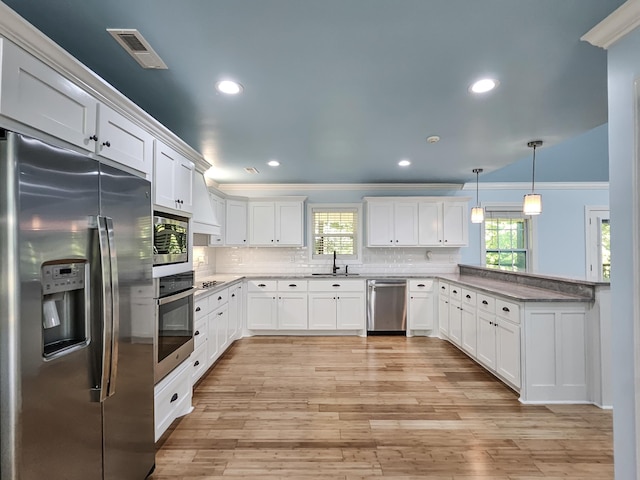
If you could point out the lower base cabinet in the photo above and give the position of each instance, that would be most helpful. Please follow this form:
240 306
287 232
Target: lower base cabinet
421 311
172 397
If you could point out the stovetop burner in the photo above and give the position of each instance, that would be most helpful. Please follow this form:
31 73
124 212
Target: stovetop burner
210 283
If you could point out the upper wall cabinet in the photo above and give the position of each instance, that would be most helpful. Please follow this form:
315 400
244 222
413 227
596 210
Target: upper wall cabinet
279 223
416 221
172 179
392 223
122 141
236 223
37 96
443 223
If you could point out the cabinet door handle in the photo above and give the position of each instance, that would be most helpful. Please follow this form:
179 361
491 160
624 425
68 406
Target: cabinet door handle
197 363
505 309
197 309
484 302
107 143
219 313
261 285
233 295
293 285
94 137
174 398
443 287
219 298
335 285
421 285
468 296
196 333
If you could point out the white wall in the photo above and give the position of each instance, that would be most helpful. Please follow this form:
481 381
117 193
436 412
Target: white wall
623 70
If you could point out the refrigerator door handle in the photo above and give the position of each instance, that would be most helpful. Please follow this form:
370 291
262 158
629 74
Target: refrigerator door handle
115 306
107 307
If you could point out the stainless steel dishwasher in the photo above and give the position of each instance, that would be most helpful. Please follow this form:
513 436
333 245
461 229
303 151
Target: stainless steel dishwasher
387 306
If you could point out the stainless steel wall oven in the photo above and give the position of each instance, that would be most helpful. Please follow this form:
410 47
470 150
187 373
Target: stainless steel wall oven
174 321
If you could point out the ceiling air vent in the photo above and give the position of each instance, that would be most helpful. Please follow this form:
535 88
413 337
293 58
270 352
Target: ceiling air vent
134 43
251 170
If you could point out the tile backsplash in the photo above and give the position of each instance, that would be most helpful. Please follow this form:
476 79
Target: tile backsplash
388 261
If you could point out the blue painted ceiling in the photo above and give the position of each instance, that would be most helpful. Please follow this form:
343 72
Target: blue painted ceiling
340 90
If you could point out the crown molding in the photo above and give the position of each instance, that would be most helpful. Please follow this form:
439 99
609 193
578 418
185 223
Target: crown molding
539 186
20 32
256 187
619 23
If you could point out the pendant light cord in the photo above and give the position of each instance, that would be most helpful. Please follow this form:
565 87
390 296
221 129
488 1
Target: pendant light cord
477 187
533 175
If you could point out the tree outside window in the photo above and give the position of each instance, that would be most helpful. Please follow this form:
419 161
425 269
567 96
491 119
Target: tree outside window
506 243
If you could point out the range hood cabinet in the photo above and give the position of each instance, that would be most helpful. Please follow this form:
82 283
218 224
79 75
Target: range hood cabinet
204 219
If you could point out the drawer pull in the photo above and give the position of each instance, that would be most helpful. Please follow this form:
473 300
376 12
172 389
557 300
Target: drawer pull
335 285
174 398
443 287
455 291
198 309
197 332
293 285
469 296
196 363
505 309
261 285
484 302
421 285
219 298
220 313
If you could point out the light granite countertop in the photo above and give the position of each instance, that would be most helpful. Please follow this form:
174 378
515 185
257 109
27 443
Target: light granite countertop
508 290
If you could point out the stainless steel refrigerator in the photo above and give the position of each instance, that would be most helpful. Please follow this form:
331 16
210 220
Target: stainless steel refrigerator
76 316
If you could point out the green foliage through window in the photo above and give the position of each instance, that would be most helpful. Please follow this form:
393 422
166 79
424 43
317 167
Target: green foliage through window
506 243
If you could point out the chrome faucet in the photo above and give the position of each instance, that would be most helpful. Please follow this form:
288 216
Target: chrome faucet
335 269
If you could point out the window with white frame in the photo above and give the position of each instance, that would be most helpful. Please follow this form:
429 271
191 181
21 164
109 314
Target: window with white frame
507 238
334 229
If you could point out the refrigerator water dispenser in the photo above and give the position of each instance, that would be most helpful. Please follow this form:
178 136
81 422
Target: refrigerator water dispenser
65 313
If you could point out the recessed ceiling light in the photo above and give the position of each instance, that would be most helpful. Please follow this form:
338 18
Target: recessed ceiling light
229 87
484 85
404 163
273 163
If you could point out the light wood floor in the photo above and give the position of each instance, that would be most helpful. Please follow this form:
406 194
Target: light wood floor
376 408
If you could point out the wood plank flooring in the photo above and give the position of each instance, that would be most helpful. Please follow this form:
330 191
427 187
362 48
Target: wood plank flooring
350 408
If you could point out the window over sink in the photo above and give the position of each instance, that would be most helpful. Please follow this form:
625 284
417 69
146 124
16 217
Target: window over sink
335 228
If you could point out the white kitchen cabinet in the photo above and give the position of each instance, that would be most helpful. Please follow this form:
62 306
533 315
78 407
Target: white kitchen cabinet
486 352
508 351
469 321
173 180
172 397
337 305
292 305
121 140
455 315
236 302
36 95
443 310
443 223
392 223
277 223
262 305
421 305
236 223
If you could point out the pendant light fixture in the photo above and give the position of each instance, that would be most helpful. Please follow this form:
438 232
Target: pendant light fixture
477 212
532 204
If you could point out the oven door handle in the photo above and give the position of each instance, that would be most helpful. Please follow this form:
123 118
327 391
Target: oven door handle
177 296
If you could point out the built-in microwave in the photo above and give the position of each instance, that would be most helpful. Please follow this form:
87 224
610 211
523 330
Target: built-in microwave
170 239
